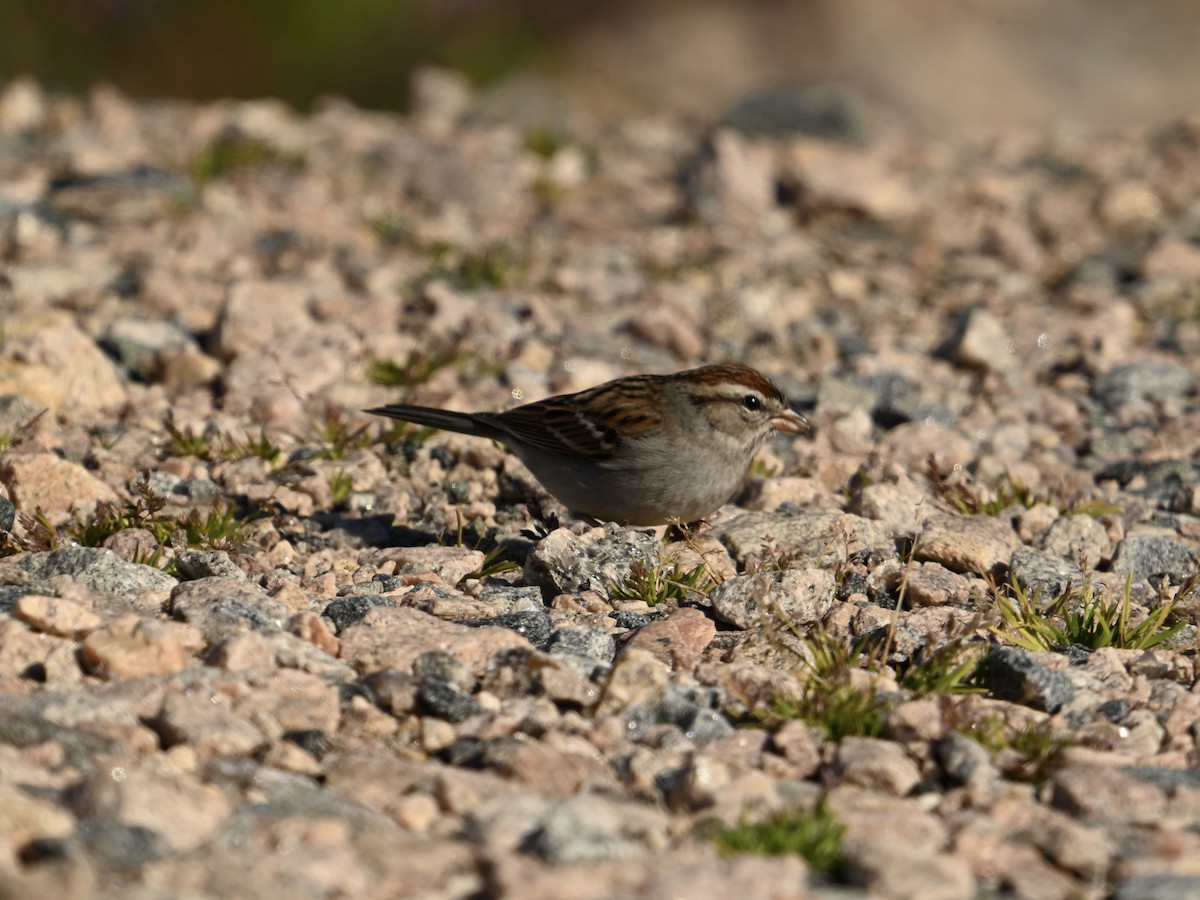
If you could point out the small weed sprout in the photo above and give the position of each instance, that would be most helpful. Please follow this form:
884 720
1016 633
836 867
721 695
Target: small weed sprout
816 835
656 584
1085 616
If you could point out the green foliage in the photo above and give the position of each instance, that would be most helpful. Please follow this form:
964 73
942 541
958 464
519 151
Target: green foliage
545 141
1097 508
492 268
661 582
337 436
416 369
231 152
1007 492
1004 493
839 708
952 667
189 442
1085 616
495 562
759 469
185 441
828 697
391 228
1026 753
815 835
341 486
218 527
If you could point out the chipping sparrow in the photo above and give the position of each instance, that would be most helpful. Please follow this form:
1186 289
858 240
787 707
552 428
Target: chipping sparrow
642 450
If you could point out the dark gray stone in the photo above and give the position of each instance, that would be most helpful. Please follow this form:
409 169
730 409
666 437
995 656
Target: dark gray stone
1077 538
535 626
8 514
25 728
1043 575
120 845
963 760
1161 476
1151 557
16 412
393 691
9 593
346 611
1166 780
1158 887
438 665
584 640
193 564
100 569
563 563
1017 676
703 726
140 346
220 607
1151 381
818 111
445 701
584 828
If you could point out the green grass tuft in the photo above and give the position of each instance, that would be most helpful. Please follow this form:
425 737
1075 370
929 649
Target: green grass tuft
816 835
1085 616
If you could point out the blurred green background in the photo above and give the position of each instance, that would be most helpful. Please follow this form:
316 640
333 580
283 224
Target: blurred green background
295 50
935 62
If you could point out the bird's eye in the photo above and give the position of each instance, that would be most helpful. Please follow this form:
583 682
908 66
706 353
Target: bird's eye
752 402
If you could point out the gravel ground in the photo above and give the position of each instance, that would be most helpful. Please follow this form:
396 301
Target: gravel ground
253 641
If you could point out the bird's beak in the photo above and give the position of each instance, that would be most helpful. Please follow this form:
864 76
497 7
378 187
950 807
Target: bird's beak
790 421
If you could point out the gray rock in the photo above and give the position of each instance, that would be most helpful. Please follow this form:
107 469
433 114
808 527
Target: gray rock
1017 676
964 761
9 594
135 195
818 111
588 828
393 691
445 701
703 726
158 482
346 611
563 562
1161 478
8 514
141 346
534 625
16 412
1166 780
120 845
193 564
820 539
508 598
438 665
1043 575
982 342
1151 557
1151 381
586 641
791 597
24 727
220 607
1158 887
1077 538
100 569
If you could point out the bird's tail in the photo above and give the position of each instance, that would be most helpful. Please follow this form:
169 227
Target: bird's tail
463 423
